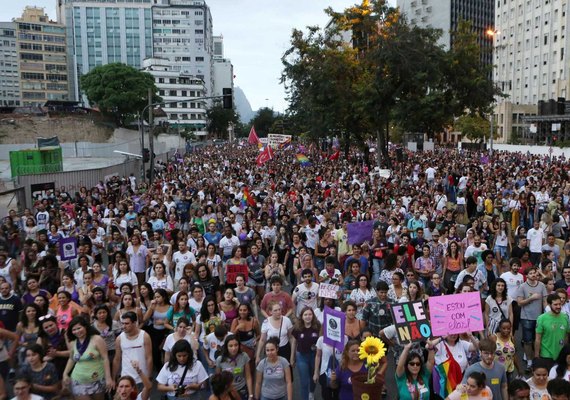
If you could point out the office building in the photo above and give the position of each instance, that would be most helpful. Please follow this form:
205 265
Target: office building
9 80
101 32
42 62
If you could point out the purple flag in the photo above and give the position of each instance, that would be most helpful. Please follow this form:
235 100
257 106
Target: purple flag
333 328
68 248
360 232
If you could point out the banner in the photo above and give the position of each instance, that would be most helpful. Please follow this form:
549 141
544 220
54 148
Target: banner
333 328
456 313
68 248
48 142
275 140
233 270
41 190
328 291
411 321
360 232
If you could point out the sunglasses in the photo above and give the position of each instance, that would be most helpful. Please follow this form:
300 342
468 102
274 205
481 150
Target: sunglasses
414 364
46 318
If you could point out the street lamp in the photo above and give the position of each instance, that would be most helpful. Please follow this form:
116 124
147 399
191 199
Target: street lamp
491 33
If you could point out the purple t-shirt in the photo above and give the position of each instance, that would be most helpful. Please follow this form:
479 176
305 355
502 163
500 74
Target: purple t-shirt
29 298
343 377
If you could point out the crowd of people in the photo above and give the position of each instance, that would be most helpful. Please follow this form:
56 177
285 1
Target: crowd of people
151 302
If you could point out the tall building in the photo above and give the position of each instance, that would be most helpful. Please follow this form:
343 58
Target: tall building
9 80
223 69
105 31
531 49
41 48
180 85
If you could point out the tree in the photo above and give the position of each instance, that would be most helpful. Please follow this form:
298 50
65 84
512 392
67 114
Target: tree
219 119
118 90
473 127
263 121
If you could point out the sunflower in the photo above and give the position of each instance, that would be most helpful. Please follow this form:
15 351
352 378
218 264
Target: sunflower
371 350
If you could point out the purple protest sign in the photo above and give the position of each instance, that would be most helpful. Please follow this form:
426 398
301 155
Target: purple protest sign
333 328
360 232
68 248
456 313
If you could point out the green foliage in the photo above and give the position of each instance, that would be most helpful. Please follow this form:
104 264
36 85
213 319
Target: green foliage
473 127
118 90
263 120
391 73
219 119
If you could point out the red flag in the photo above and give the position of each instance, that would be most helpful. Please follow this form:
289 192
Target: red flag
335 156
264 156
252 138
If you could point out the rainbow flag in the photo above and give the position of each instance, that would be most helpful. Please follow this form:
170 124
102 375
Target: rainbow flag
247 199
303 160
446 376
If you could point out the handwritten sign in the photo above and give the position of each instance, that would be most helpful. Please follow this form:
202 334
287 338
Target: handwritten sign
456 313
411 322
232 272
328 291
333 328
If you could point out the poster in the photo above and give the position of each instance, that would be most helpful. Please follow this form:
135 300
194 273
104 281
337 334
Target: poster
456 313
328 291
68 248
333 328
411 321
41 190
360 232
233 270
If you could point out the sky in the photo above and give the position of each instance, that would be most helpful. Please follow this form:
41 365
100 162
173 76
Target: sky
256 34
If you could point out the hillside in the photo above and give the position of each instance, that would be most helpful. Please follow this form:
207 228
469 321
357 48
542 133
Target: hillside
16 128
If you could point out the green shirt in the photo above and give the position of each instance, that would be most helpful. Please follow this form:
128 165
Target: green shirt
413 390
554 329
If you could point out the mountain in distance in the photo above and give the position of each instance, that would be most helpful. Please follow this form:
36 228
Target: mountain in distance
242 105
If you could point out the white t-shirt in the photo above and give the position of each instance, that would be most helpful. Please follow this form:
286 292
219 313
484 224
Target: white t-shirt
327 352
213 344
181 260
306 297
195 374
286 324
552 374
535 237
460 352
165 283
170 340
513 282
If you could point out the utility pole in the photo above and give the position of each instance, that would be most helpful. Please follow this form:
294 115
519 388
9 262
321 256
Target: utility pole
491 135
150 136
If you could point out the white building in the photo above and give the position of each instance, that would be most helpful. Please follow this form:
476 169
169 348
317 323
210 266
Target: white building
223 69
180 85
9 78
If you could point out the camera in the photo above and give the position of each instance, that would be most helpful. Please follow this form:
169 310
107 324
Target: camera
180 390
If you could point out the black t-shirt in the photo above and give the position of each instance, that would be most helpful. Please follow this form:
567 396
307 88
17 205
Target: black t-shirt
10 311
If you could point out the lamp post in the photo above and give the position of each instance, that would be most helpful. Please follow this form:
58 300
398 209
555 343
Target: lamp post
492 33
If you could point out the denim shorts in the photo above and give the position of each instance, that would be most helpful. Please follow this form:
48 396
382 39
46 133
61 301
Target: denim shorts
528 330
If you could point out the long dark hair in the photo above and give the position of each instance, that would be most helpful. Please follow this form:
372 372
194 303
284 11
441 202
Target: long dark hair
409 377
80 320
181 346
225 352
109 319
204 313
300 324
561 363
24 318
150 292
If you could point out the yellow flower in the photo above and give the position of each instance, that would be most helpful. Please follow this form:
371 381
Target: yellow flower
371 350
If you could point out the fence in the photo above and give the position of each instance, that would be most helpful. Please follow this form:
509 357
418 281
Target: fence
74 180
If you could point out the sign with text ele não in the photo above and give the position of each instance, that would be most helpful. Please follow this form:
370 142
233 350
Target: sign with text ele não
411 321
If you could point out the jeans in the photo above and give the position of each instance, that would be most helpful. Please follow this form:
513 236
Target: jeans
306 366
377 265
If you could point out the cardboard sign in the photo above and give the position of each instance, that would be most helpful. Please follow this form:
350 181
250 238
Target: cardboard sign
456 313
68 248
333 328
328 291
360 232
411 322
233 270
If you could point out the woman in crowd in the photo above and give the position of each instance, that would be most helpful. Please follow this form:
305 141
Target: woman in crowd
45 379
352 325
306 333
498 306
210 317
123 274
246 328
237 362
33 291
161 280
279 326
138 258
183 375
28 329
412 375
474 388
245 294
214 262
453 346
327 358
180 309
210 285
452 265
505 353
106 327
66 310
361 294
350 364
229 306
183 331
416 292
145 297
127 386
539 379
128 304
397 292
69 285
99 278
53 343
23 389
273 379
325 302
273 268
88 371
222 384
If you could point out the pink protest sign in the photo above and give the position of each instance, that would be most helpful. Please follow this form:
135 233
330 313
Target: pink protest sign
456 313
